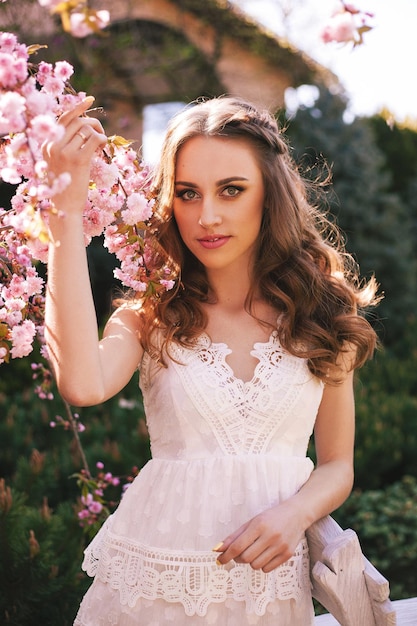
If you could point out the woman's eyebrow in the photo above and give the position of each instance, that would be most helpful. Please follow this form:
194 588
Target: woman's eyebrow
184 183
219 183
230 179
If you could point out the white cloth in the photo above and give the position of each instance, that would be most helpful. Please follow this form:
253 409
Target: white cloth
223 451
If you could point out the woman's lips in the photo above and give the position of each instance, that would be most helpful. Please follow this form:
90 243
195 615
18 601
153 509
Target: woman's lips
214 241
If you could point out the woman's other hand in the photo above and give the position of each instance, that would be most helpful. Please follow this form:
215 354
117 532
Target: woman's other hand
73 152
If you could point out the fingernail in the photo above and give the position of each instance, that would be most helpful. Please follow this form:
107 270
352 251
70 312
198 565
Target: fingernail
89 99
218 562
217 547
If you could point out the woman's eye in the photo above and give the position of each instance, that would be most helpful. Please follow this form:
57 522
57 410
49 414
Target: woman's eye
232 191
187 194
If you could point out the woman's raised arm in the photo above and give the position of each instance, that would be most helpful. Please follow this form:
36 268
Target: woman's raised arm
88 371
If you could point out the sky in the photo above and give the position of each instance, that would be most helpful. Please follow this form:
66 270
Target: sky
379 74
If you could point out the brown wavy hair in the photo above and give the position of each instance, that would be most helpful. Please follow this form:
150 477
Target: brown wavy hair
301 267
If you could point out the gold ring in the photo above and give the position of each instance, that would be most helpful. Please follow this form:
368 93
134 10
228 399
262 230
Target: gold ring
83 137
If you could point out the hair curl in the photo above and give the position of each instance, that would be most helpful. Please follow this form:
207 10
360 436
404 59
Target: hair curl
301 266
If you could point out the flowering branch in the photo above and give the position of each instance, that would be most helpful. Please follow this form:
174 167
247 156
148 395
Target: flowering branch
119 204
76 16
347 24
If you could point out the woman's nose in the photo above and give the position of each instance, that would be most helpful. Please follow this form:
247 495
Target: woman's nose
209 216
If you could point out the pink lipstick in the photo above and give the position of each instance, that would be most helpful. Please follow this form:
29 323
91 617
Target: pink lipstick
210 242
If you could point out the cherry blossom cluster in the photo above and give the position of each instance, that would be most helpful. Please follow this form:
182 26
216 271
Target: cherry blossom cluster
21 295
119 204
347 24
67 424
76 16
94 508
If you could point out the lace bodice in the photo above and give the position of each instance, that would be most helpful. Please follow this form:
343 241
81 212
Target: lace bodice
207 410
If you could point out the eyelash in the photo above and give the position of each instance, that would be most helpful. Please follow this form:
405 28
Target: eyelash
182 193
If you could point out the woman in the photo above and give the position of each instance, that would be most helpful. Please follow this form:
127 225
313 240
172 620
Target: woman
255 349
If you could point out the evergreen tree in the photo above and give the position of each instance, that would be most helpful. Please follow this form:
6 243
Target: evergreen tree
399 145
375 219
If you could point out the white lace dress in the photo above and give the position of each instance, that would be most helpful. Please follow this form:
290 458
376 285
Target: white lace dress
223 451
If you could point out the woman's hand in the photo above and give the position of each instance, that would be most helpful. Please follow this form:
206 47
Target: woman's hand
266 541
73 152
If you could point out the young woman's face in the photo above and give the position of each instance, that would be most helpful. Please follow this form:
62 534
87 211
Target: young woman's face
218 202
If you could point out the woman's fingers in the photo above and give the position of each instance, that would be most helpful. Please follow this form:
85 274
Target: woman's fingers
80 108
83 129
265 542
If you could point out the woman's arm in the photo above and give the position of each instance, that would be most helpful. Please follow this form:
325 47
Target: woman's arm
88 371
270 539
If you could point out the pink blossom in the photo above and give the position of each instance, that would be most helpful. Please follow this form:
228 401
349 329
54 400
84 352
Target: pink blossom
16 288
127 279
34 283
45 71
168 284
8 42
38 102
8 77
95 220
68 101
38 250
53 85
80 23
12 107
20 70
104 174
139 209
347 24
22 337
44 128
95 507
340 28
3 355
63 70
49 3
87 500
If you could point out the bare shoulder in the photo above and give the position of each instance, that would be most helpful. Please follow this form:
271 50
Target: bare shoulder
127 317
121 345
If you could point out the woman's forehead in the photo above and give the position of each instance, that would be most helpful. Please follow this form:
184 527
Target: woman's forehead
217 154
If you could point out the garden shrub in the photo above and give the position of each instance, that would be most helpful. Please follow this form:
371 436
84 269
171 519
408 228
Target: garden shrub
40 555
386 415
41 541
386 523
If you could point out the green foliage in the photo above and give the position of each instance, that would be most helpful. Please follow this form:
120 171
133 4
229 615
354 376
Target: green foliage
40 552
386 420
115 434
399 145
386 523
41 540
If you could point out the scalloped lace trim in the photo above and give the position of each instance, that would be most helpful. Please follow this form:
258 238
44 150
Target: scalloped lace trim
192 578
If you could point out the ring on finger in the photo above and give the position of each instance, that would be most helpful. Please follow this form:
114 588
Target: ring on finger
81 134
